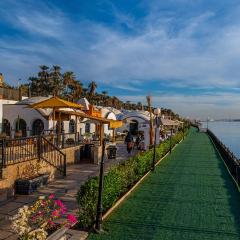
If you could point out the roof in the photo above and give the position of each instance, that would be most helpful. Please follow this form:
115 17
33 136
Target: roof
169 122
84 102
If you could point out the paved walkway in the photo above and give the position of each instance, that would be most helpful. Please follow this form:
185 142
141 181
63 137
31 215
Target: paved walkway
190 196
65 189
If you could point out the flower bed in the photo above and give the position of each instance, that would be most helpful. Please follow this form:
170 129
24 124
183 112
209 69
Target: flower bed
117 182
37 221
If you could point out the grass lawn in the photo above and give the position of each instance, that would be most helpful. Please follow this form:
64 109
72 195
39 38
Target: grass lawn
189 196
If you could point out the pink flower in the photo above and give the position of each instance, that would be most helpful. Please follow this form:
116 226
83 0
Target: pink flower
71 218
55 213
59 203
51 223
51 196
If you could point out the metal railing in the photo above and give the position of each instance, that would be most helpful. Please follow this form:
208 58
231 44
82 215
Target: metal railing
229 158
13 151
52 155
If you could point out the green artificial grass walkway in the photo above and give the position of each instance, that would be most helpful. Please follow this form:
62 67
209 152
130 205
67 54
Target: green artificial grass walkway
189 196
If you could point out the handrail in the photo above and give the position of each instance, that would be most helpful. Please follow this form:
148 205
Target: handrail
52 155
232 162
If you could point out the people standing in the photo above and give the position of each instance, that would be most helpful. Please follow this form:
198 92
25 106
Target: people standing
129 142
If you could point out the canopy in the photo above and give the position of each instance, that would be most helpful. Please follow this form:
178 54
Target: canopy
112 123
55 102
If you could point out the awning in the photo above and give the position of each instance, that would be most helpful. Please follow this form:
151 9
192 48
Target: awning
112 123
55 103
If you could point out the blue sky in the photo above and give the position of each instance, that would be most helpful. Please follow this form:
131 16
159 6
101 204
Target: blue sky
185 53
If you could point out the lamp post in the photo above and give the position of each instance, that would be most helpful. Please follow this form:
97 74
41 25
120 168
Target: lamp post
170 150
157 112
100 190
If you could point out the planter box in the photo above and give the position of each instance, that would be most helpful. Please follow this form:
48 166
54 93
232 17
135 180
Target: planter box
60 234
28 186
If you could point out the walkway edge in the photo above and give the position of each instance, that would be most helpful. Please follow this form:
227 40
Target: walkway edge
119 201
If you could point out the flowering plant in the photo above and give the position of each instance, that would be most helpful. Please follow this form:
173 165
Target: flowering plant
35 221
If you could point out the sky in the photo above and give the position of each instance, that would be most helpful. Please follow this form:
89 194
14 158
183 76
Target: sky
184 53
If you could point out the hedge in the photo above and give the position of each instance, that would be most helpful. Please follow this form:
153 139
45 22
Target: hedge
118 181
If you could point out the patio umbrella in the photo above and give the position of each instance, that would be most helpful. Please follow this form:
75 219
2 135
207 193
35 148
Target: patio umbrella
55 103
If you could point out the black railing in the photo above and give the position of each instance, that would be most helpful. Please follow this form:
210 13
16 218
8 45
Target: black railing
53 155
13 151
229 158
19 149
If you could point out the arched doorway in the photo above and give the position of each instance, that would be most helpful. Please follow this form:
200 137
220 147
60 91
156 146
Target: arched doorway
133 127
37 127
21 125
6 127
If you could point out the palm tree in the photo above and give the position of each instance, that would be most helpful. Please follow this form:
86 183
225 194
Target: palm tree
92 88
43 83
77 90
56 80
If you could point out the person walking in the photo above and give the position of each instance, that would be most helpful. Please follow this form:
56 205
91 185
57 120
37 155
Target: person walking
129 142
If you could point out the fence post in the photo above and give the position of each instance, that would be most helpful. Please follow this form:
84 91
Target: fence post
39 146
65 166
63 139
3 153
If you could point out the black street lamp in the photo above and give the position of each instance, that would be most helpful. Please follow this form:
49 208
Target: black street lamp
100 190
171 141
183 131
157 112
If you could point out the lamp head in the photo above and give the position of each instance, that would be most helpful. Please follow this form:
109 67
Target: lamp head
157 111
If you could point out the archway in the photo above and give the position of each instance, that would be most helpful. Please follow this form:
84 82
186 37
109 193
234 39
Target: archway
37 127
21 125
6 127
133 127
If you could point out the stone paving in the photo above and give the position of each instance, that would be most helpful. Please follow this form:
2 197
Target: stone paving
64 189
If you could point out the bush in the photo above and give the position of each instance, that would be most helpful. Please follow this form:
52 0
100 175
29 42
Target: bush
117 182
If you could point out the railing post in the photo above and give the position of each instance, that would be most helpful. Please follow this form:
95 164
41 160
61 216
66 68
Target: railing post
3 153
63 139
65 166
39 152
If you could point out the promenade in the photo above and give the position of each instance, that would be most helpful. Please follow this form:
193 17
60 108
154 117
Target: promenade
64 189
190 196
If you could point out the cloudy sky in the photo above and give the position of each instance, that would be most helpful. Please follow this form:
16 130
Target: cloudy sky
185 53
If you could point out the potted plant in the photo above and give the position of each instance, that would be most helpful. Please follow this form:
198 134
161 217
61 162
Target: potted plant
38 221
18 134
31 179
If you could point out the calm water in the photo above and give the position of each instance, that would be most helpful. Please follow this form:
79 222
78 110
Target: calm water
228 133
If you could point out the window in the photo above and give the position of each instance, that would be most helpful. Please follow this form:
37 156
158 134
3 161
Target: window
87 128
72 126
6 127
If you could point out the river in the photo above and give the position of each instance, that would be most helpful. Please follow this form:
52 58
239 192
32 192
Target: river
228 133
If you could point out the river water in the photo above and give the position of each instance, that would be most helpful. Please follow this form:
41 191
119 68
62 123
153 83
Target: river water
228 133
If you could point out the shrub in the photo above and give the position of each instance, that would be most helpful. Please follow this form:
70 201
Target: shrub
117 182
